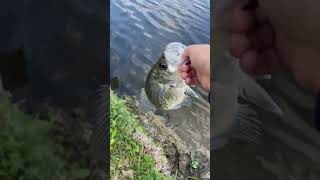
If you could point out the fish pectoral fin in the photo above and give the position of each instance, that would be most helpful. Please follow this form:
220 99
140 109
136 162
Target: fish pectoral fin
187 102
176 107
190 92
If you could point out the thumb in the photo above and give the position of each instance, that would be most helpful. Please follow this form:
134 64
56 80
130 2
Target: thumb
186 53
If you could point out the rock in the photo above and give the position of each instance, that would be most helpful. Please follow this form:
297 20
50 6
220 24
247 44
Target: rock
127 174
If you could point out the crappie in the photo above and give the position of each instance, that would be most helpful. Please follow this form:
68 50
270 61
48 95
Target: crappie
164 86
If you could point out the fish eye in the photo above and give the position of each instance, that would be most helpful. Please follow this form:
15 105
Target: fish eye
163 66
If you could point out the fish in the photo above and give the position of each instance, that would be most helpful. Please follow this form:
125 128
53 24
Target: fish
164 87
238 98
245 123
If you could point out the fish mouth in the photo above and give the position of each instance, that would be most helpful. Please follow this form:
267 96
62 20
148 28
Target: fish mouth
172 54
172 68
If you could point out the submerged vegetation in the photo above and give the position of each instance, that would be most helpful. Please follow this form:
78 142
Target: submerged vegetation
27 149
129 158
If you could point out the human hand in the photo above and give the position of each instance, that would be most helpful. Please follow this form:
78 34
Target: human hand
252 41
197 71
277 35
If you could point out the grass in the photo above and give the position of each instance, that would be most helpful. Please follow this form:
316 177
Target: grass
26 150
126 153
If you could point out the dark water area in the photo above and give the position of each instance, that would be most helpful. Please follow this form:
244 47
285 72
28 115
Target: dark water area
64 44
55 52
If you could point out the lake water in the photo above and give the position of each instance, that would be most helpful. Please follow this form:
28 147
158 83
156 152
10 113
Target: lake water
139 32
140 29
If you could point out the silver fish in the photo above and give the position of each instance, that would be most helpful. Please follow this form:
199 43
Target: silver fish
164 86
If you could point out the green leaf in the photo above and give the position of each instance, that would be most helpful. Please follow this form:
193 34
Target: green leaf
195 164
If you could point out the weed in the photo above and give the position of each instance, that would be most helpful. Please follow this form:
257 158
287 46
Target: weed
126 153
27 152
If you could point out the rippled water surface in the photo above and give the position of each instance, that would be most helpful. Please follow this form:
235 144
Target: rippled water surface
140 29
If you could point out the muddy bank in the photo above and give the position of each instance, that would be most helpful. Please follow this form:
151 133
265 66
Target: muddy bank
182 162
